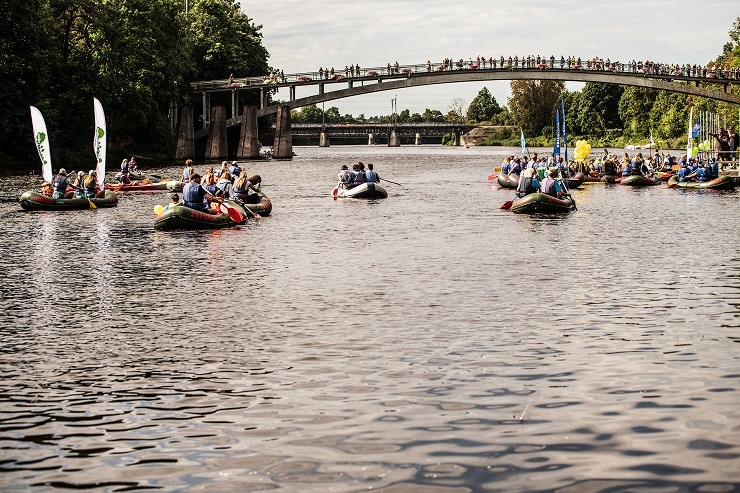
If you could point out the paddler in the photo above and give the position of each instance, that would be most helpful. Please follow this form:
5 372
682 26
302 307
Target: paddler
59 185
193 194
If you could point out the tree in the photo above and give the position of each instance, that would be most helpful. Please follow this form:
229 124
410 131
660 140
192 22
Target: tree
308 114
432 116
483 107
634 108
669 115
456 111
598 108
532 103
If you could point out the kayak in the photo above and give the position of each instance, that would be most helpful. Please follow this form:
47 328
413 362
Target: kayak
171 185
722 183
183 217
263 207
576 180
35 201
508 181
541 202
640 181
367 190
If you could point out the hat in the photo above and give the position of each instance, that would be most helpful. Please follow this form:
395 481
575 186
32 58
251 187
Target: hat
344 166
91 172
80 173
62 171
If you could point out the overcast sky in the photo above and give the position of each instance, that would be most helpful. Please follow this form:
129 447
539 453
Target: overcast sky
302 36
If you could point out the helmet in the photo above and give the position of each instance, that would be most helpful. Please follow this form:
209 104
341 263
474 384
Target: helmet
91 172
80 173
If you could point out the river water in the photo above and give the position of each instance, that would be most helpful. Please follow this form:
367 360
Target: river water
428 342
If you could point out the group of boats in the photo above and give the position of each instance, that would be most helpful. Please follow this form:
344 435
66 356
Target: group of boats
543 203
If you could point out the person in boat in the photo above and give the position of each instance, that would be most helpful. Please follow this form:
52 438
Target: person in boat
77 183
371 175
47 189
345 177
59 185
124 175
193 195
610 168
637 164
223 186
528 182
712 170
174 200
133 170
551 186
700 174
234 169
516 167
188 171
359 174
626 167
90 186
683 172
244 184
223 169
209 181
506 166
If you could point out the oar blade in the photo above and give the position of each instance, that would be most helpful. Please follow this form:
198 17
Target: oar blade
234 214
506 205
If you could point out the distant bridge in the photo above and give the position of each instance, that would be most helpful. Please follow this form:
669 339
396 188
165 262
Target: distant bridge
427 129
370 80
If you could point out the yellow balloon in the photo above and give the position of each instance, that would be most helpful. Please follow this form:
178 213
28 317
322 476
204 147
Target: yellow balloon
158 209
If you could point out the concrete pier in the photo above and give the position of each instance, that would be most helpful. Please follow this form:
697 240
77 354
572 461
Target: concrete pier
394 139
186 136
370 139
417 140
249 147
216 147
324 138
283 146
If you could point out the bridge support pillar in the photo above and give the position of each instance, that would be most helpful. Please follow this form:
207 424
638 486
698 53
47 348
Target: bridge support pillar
394 140
324 138
186 136
457 137
370 139
216 147
249 147
417 141
283 146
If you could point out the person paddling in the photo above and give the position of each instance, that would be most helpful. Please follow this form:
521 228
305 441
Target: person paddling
59 185
370 175
244 184
193 194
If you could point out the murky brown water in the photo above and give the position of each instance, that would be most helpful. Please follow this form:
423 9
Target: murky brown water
429 342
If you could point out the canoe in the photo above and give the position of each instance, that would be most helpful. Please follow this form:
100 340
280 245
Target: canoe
263 207
640 181
724 182
508 181
543 203
362 191
171 185
576 180
183 217
35 201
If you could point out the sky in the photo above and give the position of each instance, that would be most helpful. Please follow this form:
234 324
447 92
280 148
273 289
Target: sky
302 36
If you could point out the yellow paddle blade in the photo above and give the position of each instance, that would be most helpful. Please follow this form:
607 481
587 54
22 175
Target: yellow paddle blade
497 169
92 204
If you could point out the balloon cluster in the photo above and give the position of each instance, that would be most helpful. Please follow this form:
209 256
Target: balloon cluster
583 149
702 146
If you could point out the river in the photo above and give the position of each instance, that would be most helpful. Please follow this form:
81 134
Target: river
428 342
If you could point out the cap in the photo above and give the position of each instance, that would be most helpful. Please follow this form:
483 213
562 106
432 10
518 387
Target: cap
62 171
91 172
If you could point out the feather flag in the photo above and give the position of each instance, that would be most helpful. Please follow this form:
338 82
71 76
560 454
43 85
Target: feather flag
556 147
691 133
99 142
41 139
565 140
522 141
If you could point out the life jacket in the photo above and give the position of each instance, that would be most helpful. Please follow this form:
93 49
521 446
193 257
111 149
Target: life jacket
505 168
371 176
515 169
360 177
626 169
548 187
210 188
124 167
190 196
701 174
224 186
682 174
186 174
713 171
60 184
234 170
89 189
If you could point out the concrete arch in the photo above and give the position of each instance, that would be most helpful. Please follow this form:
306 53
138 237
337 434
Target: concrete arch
663 83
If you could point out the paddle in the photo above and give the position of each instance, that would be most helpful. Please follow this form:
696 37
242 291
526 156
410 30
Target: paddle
506 205
234 214
386 179
564 182
335 192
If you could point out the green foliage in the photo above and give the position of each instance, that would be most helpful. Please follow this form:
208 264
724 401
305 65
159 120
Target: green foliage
634 109
532 103
483 108
669 115
596 108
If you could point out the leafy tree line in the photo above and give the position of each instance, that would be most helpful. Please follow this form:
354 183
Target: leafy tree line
137 57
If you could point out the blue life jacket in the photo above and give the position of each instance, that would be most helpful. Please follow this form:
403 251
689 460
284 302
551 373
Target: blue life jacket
371 176
515 169
60 184
234 170
360 177
190 196
626 170
210 188
713 171
701 174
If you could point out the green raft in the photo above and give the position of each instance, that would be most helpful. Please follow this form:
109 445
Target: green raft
183 217
263 207
640 181
35 201
722 183
542 203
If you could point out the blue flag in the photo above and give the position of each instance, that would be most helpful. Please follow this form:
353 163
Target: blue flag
524 142
695 130
556 147
565 141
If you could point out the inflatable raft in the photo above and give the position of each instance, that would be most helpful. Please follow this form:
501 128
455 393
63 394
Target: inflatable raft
610 179
576 180
542 203
183 217
171 185
35 201
263 207
722 183
362 191
508 181
640 181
